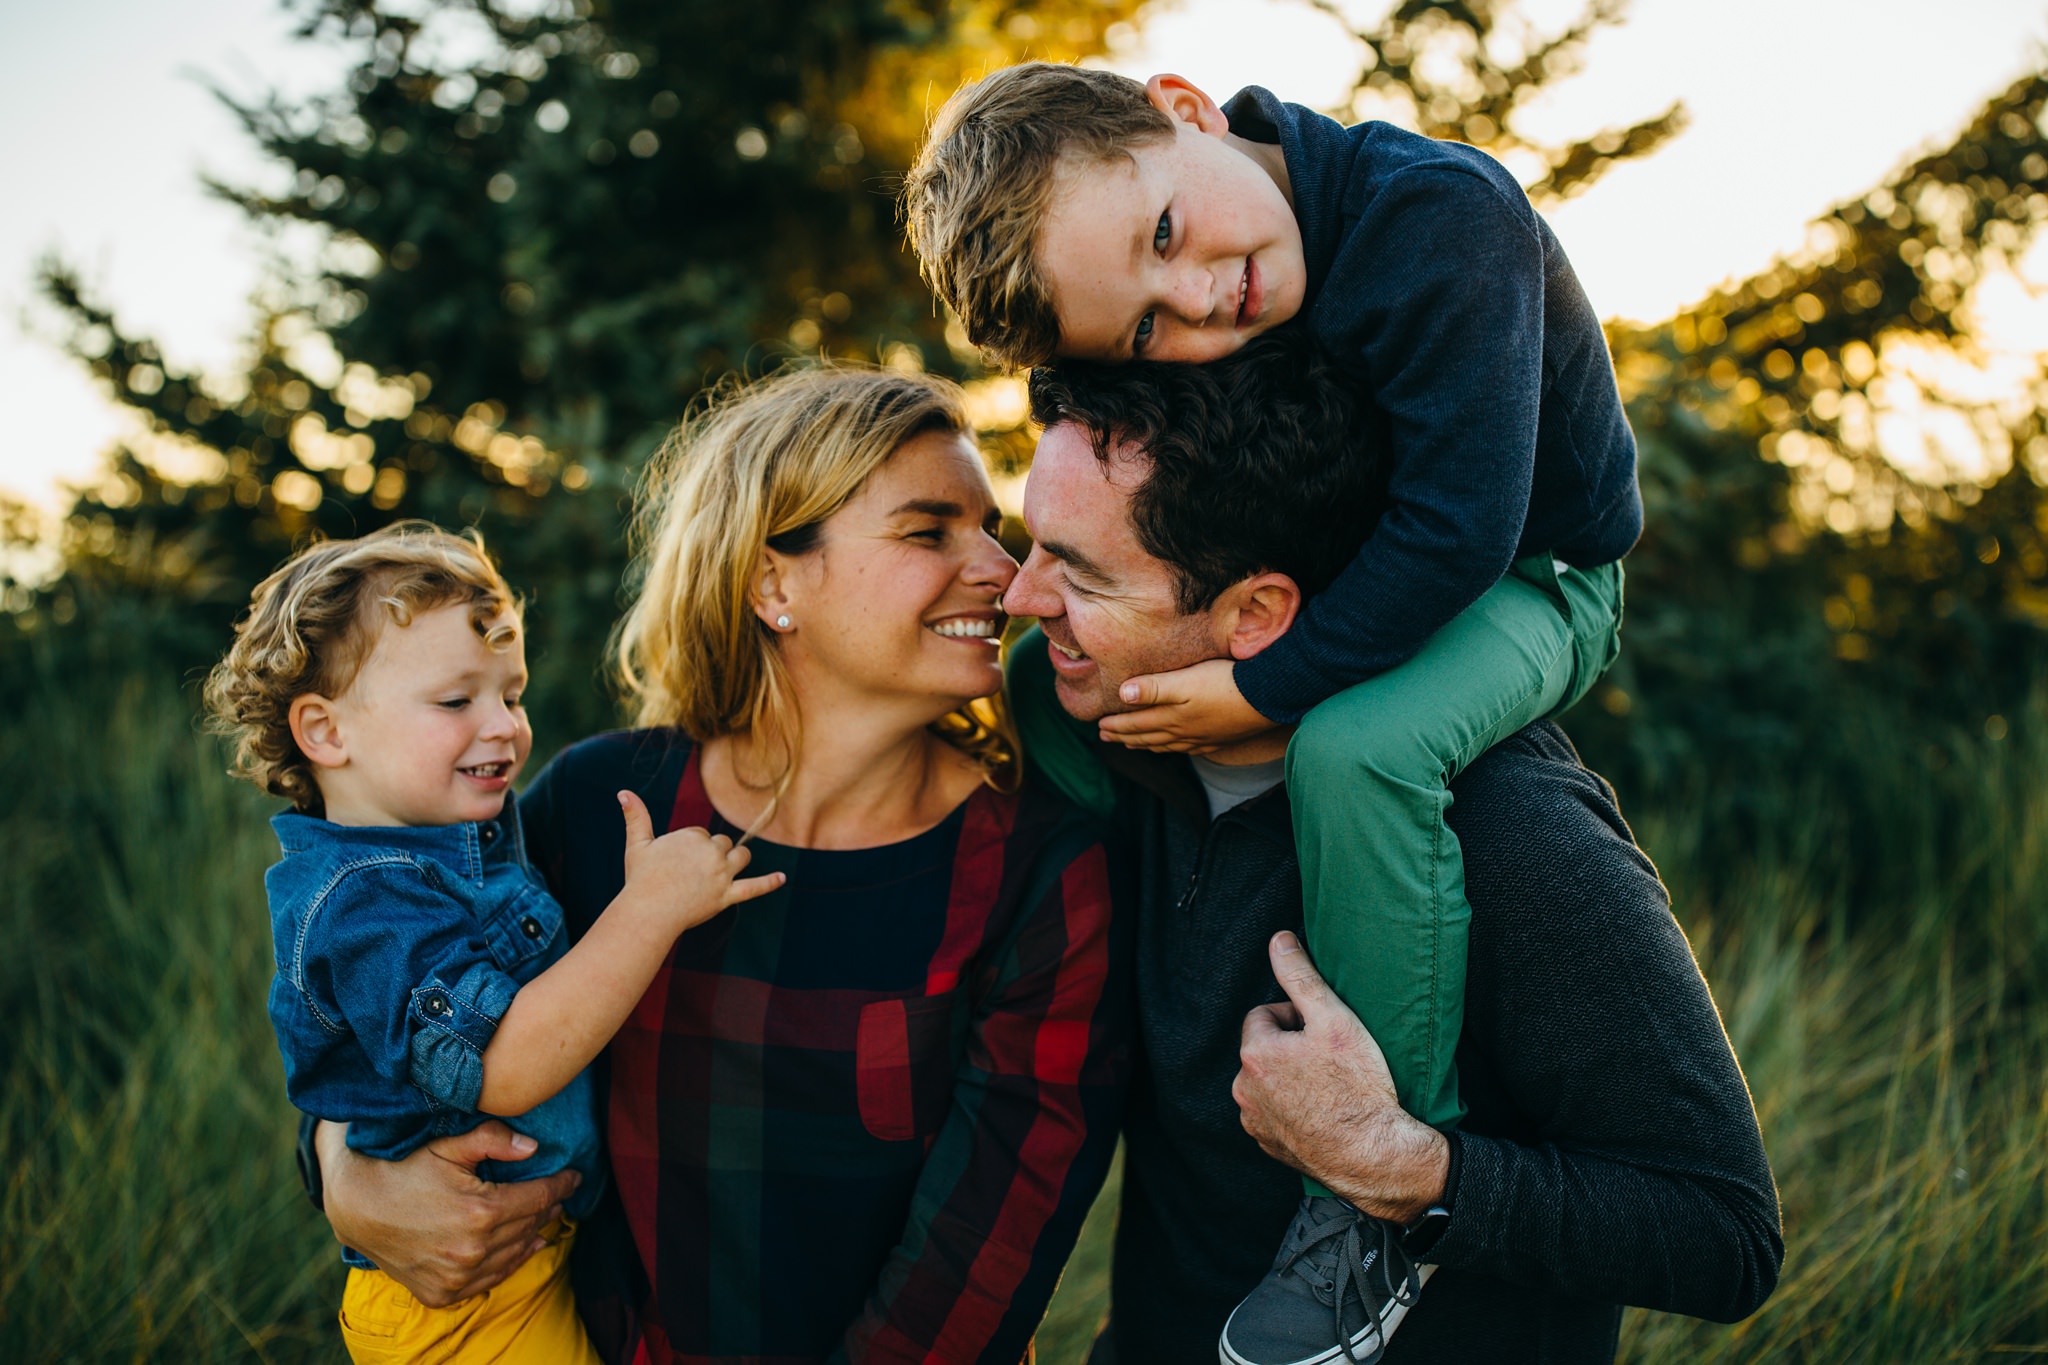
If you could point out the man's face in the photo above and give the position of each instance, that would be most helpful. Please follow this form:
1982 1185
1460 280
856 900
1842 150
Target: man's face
1107 607
1183 250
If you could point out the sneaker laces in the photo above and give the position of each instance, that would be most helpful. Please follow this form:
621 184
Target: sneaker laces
1342 1236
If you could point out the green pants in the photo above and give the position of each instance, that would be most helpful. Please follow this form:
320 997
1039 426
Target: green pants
1368 777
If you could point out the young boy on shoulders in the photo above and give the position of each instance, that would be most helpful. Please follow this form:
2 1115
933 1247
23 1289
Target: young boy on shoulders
1076 215
424 981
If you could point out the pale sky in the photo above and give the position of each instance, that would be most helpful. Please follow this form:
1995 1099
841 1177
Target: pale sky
1796 105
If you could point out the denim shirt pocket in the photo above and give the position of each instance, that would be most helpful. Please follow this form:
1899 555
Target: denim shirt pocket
452 1022
903 1066
525 936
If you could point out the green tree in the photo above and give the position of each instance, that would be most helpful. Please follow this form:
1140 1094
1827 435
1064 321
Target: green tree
546 230
1792 562
540 252
1463 70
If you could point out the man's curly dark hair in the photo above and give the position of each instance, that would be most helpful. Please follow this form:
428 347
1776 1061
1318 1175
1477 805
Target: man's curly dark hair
1271 459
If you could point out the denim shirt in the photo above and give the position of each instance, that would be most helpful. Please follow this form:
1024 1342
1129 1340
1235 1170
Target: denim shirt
398 950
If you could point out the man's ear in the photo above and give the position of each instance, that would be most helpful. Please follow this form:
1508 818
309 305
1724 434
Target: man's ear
1258 611
1182 100
316 729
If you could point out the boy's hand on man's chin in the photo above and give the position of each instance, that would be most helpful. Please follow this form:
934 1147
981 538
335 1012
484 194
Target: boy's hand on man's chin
1192 710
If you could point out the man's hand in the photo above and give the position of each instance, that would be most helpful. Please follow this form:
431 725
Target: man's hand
1314 1089
1189 711
428 1222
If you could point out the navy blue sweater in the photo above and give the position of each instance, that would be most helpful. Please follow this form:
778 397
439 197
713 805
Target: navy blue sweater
1426 262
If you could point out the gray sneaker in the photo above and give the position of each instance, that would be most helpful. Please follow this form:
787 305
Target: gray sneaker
1338 1289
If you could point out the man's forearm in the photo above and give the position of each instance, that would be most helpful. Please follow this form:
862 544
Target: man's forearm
427 1221
1313 1088
1397 1168
1706 1245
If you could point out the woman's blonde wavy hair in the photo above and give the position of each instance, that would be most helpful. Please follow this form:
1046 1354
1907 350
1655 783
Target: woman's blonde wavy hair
754 465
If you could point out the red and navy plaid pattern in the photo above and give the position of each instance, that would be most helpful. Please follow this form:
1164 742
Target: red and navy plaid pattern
860 1119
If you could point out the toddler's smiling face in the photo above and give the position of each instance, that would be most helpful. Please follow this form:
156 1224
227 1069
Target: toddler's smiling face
431 731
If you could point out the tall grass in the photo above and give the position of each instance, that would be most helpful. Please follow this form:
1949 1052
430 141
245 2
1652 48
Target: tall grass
149 1209
1895 1039
1896 1044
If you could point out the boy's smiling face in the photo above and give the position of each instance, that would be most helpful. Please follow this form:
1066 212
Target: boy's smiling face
1183 250
429 732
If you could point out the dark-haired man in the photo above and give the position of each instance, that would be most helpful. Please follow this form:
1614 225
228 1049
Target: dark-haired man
1611 1154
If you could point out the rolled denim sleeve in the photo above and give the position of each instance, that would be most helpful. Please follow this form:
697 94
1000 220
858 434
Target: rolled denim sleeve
452 1024
405 965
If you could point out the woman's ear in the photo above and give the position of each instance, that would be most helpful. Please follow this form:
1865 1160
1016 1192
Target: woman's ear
1259 611
1185 102
771 593
316 729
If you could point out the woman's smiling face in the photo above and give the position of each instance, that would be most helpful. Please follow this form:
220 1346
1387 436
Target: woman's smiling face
897 601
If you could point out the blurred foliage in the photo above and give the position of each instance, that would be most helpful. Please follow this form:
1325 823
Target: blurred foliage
1461 70
1844 493
535 256
547 228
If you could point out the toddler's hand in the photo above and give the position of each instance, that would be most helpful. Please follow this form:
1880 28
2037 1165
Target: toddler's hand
1189 711
690 874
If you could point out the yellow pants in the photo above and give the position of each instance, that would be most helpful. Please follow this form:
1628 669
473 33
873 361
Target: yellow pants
531 1316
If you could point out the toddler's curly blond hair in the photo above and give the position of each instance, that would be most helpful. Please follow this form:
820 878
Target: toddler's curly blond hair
313 622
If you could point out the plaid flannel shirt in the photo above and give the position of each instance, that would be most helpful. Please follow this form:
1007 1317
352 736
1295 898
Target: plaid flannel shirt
860 1119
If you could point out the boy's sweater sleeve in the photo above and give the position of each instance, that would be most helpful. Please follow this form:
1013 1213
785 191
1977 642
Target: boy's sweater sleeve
1438 286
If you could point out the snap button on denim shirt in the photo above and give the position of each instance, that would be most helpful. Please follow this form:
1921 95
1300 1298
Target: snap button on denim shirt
398 950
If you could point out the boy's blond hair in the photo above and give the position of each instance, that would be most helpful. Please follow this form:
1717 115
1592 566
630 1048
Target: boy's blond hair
976 198
764 465
313 622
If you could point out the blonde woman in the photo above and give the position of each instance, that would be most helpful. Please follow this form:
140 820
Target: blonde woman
862 1117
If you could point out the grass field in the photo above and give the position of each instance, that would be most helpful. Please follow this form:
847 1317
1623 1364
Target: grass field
1896 1044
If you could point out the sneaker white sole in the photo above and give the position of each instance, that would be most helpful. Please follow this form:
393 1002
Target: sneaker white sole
1335 1354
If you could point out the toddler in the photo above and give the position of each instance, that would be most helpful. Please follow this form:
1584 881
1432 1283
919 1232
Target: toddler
423 979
